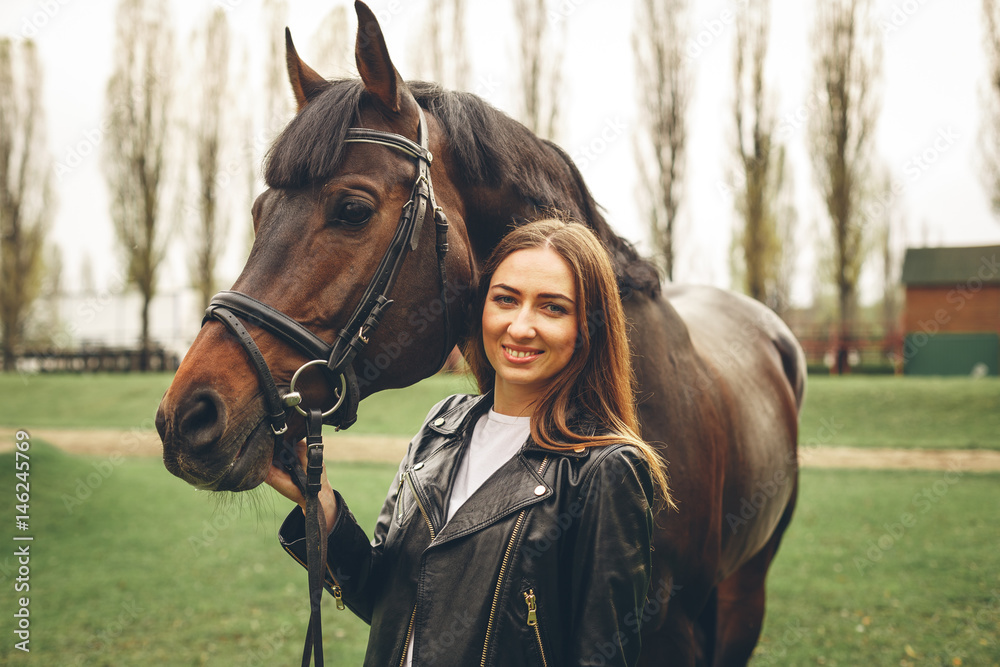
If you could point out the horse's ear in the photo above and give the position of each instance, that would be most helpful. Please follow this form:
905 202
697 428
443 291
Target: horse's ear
306 83
374 65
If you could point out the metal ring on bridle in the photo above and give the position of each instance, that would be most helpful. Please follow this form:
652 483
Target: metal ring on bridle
342 393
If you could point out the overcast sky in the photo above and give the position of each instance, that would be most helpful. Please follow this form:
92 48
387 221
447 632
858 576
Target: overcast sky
933 77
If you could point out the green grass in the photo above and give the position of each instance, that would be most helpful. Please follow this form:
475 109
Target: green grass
95 400
887 568
131 566
126 401
909 412
935 413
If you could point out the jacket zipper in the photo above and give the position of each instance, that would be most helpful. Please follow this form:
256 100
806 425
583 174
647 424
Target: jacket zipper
338 592
409 480
409 636
503 572
399 496
529 598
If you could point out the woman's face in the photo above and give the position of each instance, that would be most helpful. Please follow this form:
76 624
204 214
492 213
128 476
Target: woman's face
529 326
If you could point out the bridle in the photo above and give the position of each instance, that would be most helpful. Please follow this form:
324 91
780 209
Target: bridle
338 358
228 307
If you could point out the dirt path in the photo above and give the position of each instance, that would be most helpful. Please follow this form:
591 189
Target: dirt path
388 449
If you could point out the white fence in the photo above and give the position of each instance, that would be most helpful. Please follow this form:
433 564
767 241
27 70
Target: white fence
77 320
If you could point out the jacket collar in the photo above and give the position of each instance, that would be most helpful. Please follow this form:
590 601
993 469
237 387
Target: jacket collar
461 419
515 485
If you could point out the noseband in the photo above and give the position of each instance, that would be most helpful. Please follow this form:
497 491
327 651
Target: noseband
338 359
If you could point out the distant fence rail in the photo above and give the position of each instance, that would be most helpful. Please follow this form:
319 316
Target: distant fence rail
863 347
95 359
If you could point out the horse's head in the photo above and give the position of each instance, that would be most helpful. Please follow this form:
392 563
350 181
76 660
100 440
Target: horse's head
327 225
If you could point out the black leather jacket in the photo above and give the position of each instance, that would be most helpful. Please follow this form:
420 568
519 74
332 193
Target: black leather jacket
548 563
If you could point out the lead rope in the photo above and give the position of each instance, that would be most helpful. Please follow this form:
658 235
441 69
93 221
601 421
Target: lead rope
316 536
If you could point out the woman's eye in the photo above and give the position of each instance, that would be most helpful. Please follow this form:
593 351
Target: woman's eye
556 309
354 213
503 299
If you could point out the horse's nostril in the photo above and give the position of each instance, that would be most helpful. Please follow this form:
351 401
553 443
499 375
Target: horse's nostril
202 419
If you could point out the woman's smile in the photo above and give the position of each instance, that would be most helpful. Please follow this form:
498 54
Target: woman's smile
520 355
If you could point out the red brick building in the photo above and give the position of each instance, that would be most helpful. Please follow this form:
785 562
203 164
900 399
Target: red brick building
951 318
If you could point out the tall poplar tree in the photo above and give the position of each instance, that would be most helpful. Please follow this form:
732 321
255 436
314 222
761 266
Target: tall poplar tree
25 191
842 131
137 150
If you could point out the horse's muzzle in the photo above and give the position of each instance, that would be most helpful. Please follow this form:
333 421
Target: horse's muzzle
198 449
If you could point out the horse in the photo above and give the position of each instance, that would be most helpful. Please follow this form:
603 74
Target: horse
720 378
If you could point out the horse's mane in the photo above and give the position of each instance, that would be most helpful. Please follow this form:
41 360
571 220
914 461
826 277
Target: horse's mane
488 146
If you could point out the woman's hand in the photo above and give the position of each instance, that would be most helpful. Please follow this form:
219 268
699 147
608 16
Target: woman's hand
281 482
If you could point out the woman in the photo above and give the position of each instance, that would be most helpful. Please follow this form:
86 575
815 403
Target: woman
493 547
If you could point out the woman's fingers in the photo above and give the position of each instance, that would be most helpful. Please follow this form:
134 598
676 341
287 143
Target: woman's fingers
282 482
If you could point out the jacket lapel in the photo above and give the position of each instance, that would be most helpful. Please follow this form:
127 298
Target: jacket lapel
514 486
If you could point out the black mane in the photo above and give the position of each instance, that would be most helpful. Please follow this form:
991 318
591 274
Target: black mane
488 147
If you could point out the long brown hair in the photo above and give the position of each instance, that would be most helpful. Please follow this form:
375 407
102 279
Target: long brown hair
598 380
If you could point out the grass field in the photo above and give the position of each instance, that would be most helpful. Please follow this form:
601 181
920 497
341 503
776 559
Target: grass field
131 566
935 413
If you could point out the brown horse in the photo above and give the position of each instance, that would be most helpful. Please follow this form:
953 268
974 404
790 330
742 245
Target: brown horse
720 377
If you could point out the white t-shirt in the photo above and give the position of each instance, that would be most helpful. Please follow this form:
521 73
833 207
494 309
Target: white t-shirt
496 439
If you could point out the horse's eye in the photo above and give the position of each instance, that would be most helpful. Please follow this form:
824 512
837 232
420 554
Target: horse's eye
354 213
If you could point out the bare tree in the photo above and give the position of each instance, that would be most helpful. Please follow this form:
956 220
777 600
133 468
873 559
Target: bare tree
25 191
990 129
459 50
278 109
332 43
786 229
847 62
208 235
440 49
760 159
541 72
665 90
888 232
138 99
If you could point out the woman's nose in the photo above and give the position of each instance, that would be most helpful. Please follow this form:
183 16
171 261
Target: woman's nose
523 325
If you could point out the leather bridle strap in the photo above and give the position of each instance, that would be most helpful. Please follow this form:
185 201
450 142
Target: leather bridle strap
316 538
375 301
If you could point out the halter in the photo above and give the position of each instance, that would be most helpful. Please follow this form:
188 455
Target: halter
228 307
